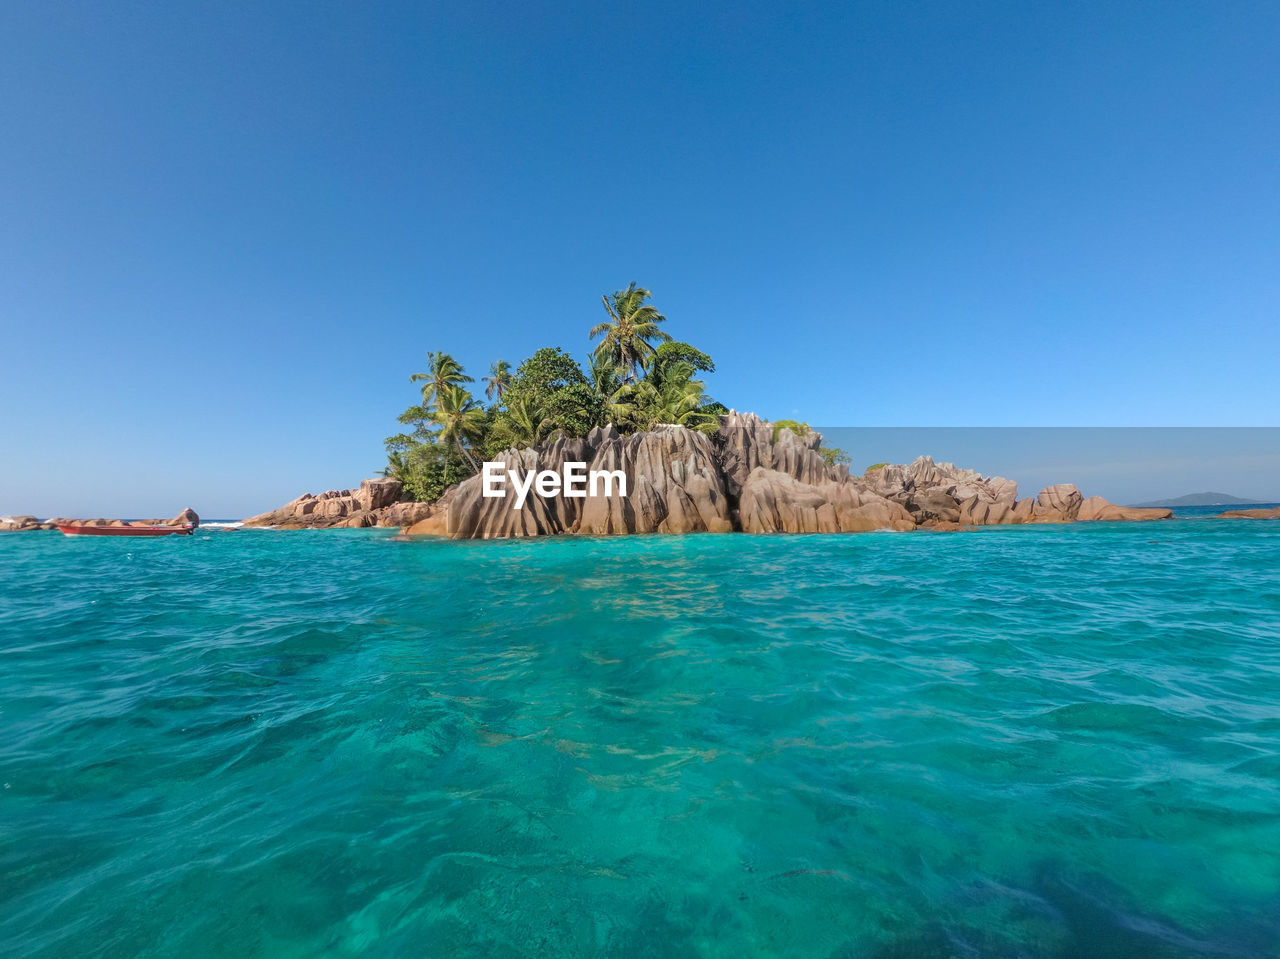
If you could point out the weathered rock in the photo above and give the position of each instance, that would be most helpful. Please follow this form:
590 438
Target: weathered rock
286 513
404 514
335 507
1057 504
977 512
1273 513
774 502
1022 511
434 524
378 493
741 477
474 516
373 504
673 485
188 517
330 508
743 441
940 481
929 504
1095 508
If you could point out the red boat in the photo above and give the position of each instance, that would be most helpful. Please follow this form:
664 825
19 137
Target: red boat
76 530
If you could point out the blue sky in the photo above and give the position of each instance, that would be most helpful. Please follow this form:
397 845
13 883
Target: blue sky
230 234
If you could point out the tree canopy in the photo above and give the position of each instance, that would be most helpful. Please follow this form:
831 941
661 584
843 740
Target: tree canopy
637 377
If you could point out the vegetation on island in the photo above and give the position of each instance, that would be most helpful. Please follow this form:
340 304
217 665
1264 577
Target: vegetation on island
637 377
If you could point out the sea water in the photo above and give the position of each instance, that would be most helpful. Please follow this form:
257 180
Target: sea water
1056 741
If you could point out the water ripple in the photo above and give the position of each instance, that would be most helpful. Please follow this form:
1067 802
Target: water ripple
1023 742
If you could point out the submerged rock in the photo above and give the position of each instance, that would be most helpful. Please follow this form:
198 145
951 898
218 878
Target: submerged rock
1272 513
1096 508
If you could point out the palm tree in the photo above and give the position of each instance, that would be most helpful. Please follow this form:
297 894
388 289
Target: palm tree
461 419
631 325
498 380
604 375
675 398
442 371
683 402
394 468
527 423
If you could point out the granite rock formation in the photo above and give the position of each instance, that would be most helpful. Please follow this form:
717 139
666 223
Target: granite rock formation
1097 508
1272 513
188 517
374 501
17 524
747 476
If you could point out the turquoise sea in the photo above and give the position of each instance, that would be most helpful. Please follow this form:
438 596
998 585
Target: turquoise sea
1016 742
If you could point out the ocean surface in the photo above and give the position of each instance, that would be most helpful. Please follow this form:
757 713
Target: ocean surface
1027 742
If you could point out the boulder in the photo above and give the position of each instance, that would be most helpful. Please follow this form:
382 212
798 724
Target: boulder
359 519
436 523
378 493
335 507
1097 509
742 442
1057 504
1272 513
928 485
188 517
775 502
404 514
929 504
285 514
978 512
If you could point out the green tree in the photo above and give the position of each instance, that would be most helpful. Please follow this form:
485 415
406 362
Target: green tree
498 380
550 390
425 469
672 352
628 332
463 422
521 423
608 382
667 395
442 371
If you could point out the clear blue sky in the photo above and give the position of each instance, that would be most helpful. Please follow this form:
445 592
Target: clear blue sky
231 231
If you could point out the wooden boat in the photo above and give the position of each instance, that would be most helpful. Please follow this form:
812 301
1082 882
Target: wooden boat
73 529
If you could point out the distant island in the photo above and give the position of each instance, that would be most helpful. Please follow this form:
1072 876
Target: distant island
1199 499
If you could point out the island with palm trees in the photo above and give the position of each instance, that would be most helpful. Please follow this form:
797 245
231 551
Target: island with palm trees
639 409
637 377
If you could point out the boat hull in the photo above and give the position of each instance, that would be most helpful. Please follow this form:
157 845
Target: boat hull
75 530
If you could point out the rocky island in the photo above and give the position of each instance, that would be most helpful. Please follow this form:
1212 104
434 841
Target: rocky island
639 413
14 524
747 476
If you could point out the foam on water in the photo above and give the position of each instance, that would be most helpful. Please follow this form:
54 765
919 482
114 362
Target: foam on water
1035 742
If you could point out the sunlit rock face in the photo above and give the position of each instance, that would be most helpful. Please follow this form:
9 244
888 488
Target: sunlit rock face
748 475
